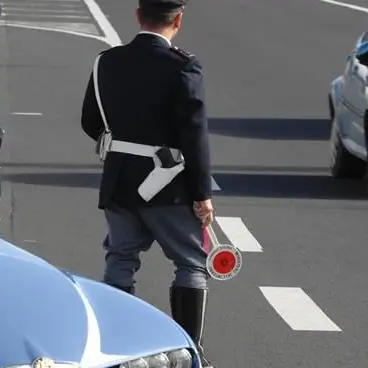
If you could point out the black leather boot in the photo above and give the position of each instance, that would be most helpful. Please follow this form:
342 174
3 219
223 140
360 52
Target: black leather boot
188 309
126 289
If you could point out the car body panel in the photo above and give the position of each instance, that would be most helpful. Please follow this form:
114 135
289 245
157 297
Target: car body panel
349 98
129 332
48 312
29 291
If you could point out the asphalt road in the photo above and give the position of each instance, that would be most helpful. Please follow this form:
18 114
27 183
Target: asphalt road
268 67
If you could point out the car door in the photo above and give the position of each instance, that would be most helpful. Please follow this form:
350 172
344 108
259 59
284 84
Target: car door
355 103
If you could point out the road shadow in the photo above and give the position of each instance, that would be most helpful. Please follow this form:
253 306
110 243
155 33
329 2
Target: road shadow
264 168
266 185
303 186
71 180
282 129
46 165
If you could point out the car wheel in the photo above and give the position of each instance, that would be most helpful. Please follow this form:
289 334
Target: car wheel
343 165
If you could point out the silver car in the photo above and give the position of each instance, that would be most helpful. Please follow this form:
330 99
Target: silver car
348 106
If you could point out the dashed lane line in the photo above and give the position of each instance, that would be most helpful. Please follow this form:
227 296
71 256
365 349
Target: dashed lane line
297 309
27 113
215 186
238 234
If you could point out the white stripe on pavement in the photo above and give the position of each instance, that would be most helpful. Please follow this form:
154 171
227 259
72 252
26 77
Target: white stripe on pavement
56 27
45 5
27 113
38 1
13 10
215 186
78 22
112 37
346 5
22 15
238 234
297 309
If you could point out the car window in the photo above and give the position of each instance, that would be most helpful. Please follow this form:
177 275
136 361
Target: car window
361 54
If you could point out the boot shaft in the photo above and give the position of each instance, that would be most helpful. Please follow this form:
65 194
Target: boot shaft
188 309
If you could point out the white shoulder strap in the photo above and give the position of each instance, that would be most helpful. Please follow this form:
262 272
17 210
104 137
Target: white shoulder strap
97 92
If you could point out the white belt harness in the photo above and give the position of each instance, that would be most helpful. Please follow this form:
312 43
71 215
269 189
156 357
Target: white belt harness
160 176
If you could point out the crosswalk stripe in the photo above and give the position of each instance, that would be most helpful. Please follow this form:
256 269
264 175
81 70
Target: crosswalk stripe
10 11
297 309
41 2
238 234
22 15
66 16
44 5
215 186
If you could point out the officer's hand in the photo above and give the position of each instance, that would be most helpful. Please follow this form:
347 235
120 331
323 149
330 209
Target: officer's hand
204 211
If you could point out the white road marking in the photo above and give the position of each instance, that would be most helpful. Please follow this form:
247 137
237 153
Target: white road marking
346 5
49 12
56 2
86 27
45 16
297 309
238 234
215 186
112 37
42 2
27 113
42 5
56 27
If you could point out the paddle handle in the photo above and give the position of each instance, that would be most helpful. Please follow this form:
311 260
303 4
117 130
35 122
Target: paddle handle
212 236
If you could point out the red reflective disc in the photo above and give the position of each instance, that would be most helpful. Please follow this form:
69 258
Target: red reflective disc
224 262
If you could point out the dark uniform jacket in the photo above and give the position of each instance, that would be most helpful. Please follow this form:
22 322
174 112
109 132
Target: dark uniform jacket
152 94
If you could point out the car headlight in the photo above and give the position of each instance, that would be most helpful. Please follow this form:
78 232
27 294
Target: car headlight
173 359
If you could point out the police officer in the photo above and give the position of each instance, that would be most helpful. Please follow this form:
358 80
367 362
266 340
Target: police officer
152 94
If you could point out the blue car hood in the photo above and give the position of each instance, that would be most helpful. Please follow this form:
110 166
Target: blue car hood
46 312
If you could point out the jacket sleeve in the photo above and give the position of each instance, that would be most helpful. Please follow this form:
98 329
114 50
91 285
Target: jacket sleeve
191 121
92 123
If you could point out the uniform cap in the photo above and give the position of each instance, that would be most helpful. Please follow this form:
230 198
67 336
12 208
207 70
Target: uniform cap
163 4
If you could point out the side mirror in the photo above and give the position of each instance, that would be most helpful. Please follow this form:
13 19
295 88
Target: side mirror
347 58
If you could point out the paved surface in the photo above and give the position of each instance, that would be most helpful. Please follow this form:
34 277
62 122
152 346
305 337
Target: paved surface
268 68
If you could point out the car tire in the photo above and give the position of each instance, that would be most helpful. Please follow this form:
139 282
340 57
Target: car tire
343 165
